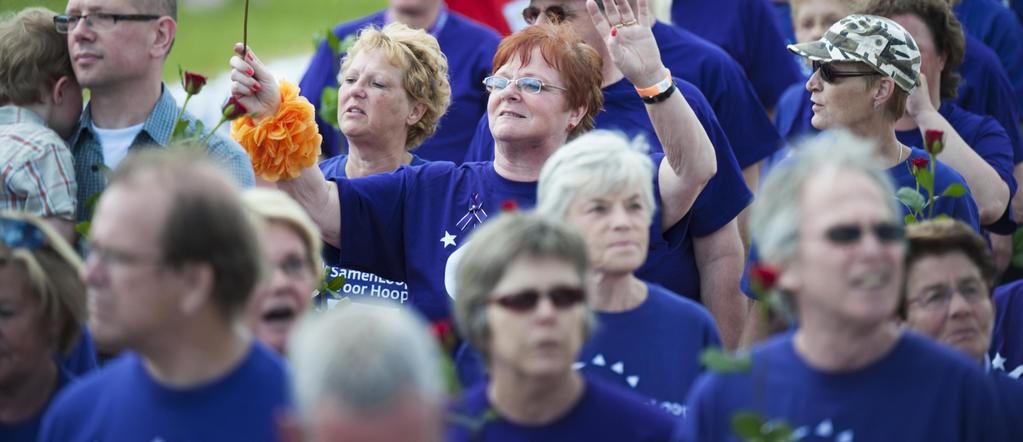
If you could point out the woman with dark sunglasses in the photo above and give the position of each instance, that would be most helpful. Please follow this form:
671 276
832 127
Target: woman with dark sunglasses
522 304
42 312
865 67
601 184
409 225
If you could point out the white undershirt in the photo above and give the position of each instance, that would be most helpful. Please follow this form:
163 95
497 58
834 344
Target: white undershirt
115 142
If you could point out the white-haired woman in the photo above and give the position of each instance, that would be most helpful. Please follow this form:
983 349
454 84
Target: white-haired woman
522 304
600 184
292 249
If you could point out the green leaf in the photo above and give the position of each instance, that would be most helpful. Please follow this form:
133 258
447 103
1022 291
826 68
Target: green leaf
333 42
328 106
336 284
747 425
721 361
90 202
82 228
346 44
909 219
911 198
954 190
180 130
199 128
926 179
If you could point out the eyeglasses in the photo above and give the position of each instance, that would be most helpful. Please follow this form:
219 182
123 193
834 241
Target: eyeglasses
526 300
98 21
16 233
111 257
555 14
939 297
847 234
829 74
528 85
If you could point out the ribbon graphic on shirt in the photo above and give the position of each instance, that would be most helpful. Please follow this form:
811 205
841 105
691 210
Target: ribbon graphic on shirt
475 211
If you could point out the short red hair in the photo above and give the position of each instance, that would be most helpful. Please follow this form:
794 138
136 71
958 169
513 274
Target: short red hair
579 65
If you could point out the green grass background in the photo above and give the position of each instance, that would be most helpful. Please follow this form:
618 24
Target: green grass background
277 28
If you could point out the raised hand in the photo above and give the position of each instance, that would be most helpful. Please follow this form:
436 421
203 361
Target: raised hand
919 101
253 85
629 40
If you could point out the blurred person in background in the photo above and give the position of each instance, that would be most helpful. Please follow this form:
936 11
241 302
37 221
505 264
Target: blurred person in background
42 311
291 247
40 103
365 373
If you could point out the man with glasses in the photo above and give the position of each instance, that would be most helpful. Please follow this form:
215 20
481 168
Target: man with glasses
827 223
174 257
118 49
864 70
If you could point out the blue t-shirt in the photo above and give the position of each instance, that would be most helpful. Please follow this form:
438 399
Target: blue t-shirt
358 285
725 86
603 413
919 391
82 358
985 89
122 402
674 331
962 208
28 430
411 225
721 200
1000 30
747 30
1010 398
469 48
1007 339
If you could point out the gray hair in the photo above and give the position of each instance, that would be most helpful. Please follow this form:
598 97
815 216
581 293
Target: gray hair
777 212
363 357
492 247
601 161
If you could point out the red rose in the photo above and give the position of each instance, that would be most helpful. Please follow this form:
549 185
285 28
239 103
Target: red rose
919 163
763 277
509 206
233 109
441 329
934 141
192 82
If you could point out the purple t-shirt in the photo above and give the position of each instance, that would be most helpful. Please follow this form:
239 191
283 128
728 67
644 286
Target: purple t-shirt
985 89
358 284
122 402
919 391
469 48
603 413
747 30
1000 30
1007 339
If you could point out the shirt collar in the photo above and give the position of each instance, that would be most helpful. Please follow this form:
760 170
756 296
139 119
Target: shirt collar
17 114
157 125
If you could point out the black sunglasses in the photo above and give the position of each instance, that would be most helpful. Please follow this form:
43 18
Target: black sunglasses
845 234
829 74
526 300
16 233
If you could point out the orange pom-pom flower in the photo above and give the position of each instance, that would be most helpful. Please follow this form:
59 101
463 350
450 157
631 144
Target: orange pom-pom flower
282 145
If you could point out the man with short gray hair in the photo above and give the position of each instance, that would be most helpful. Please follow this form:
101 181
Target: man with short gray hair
828 225
365 373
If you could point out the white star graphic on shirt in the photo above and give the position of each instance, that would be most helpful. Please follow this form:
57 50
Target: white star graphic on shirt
448 239
998 363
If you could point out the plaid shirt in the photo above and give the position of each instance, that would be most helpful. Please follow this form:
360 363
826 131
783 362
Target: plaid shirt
35 166
156 131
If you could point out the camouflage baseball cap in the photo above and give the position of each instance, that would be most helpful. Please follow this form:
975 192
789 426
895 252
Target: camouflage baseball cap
877 41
